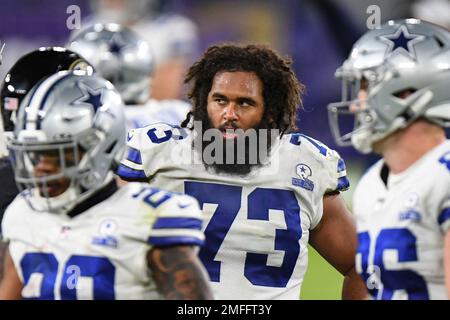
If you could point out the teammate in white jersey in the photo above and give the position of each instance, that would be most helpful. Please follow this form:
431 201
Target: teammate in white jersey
123 57
17 83
260 216
400 77
156 111
73 234
173 38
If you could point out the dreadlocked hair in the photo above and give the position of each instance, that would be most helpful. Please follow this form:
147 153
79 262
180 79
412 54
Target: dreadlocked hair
282 92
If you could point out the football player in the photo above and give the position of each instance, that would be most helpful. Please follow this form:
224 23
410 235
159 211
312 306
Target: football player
124 58
260 214
17 83
73 234
398 80
173 38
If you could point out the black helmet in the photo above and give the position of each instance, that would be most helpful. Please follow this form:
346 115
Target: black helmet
29 70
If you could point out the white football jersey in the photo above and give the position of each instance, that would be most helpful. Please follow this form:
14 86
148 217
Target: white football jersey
154 111
169 36
401 228
256 226
100 253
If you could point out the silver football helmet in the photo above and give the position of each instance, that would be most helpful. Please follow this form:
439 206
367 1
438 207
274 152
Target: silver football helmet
119 55
70 133
407 56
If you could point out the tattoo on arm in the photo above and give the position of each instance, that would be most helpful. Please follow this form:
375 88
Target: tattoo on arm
178 273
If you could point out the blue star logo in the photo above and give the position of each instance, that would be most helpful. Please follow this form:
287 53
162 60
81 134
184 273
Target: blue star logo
90 96
402 41
130 135
116 45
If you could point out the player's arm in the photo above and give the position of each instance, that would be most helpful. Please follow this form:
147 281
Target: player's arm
336 240
447 262
178 273
10 284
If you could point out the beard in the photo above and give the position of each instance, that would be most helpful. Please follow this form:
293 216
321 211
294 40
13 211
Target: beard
236 155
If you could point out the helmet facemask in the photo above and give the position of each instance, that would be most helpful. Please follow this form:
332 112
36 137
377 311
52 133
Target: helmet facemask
59 175
406 65
74 122
352 120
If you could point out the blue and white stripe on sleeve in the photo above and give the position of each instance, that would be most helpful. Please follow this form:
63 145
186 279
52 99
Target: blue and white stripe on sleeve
131 167
444 218
168 231
343 182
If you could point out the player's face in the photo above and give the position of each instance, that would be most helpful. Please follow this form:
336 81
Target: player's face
362 97
48 163
235 101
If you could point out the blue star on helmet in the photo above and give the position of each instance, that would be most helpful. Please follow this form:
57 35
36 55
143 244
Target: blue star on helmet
116 45
402 41
90 96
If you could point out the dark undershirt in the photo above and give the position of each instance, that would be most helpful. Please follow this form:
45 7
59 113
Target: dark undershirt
99 196
384 174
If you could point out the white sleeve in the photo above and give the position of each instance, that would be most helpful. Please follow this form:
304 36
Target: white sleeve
337 173
144 154
329 172
178 222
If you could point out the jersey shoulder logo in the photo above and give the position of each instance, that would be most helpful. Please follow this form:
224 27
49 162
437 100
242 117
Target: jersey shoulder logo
107 232
305 173
410 205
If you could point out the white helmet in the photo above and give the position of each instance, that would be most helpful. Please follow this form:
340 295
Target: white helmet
68 113
401 56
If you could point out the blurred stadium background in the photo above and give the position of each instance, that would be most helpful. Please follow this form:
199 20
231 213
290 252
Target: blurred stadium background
317 35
